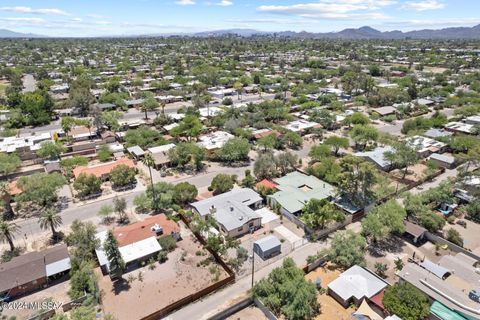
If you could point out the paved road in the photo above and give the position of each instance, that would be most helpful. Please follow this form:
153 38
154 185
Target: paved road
29 83
219 300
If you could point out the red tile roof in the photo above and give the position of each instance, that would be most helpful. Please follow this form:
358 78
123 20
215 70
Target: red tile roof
267 133
103 169
143 229
377 299
267 184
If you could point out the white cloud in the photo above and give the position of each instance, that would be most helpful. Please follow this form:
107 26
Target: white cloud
185 2
95 16
332 9
45 11
423 5
225 3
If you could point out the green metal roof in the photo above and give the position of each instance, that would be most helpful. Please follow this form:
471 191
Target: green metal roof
445 313
296 189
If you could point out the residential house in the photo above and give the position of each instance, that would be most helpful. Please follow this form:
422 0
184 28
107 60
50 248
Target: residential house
33 271
138 241
377 157
267 247
102 170
354 285
214 140
296 189
425 146
233 211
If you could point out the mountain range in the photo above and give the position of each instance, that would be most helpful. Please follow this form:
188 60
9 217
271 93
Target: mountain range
4 33
351 33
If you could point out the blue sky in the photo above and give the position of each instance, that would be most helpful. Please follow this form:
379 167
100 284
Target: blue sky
128 17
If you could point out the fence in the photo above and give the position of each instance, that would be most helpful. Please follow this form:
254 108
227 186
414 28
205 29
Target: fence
43 316
315 264
230 311
200 294
441 241
74 303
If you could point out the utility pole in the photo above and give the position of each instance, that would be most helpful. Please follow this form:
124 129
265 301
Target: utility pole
253 265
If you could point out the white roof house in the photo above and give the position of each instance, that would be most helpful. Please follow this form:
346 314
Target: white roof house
356 283
425 146
300 125
33 142
160 149
214 140
459 127
130 252
210 111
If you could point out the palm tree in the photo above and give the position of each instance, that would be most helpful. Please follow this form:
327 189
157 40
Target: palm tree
50 219
149 162
7 232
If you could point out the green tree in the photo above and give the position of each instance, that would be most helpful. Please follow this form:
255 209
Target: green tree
149 162
7 232
265 166
336 143
221 183
432 222
83 242
82 280
357 179
317 213
104 154
268 142
383 220
403 156
347 249
292 140
357 118
190 127
164 193
87 184
50 219
234 150
249 180
9 163
454 237
287 294
406 301
149 104
362 135
39 188
122 175
184 193
6 198
144 137
120 208
319 152
51 150
187 156
110 119
116 265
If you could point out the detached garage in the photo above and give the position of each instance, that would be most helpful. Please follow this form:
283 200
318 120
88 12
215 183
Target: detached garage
267 247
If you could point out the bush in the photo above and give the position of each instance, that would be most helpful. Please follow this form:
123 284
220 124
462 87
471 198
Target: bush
454 237
162 256
168 243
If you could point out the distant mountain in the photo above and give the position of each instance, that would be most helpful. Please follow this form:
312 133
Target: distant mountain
370 33
4 33
352 33
227 32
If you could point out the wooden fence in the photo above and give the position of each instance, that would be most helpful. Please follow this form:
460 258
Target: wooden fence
202 293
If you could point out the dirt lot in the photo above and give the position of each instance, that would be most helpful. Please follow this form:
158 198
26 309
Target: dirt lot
471 240
171 281
415 172
57 293
330 308
249 313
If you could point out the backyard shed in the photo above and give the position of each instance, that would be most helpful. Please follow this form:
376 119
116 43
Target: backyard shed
267 247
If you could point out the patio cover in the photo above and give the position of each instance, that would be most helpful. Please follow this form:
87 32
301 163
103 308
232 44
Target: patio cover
365 310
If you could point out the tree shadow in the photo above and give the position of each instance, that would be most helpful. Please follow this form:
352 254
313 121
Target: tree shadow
392 244
120 285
